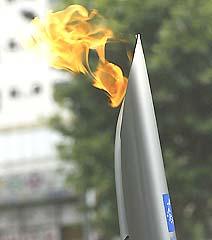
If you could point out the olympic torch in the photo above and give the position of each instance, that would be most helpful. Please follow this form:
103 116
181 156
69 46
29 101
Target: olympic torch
66 38
144 205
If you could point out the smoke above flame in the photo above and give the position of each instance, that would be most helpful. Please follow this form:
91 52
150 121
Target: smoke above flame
66 37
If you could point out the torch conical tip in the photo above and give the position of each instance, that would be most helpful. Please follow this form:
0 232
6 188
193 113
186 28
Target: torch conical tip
138 36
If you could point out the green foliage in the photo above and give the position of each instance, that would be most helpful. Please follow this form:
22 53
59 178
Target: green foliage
182 60
177 39
92 128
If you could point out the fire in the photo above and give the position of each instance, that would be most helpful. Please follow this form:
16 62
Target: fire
67 37
109 77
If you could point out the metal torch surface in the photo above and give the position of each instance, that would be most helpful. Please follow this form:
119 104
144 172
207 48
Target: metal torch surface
143 201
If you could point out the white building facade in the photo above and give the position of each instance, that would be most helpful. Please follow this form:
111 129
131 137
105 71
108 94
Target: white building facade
34 202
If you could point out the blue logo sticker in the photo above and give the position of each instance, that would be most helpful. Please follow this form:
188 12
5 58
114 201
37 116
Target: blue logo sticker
168 211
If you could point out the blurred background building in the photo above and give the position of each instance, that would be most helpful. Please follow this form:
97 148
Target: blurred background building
34 202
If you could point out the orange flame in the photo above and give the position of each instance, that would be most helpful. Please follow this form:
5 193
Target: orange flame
67 37
109 77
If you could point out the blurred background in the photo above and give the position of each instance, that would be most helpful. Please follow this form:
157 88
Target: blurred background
57 131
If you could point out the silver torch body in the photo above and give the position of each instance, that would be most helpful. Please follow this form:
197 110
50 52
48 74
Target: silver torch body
144 205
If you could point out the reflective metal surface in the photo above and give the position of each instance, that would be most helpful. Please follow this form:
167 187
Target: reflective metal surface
140 177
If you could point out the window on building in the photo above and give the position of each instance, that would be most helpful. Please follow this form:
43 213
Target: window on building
12 44
14 93
29 15
72 232
36 89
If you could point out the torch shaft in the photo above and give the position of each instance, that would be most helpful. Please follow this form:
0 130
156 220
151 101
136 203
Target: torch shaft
144 204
